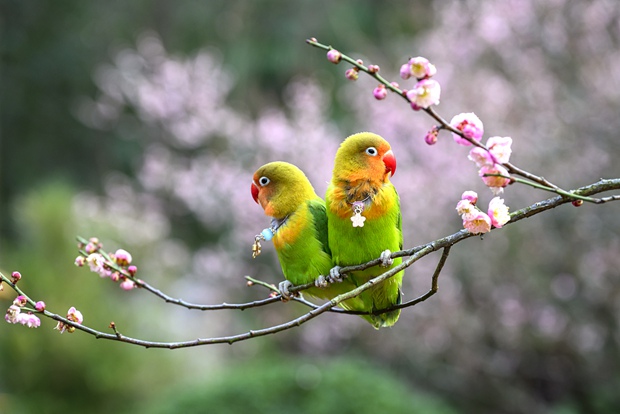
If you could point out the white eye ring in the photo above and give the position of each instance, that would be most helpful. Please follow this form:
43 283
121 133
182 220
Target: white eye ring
263 181
372 151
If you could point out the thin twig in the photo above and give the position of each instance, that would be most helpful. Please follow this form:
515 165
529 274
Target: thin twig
433 114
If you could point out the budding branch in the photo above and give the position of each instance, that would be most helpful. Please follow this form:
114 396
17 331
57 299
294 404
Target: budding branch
413 254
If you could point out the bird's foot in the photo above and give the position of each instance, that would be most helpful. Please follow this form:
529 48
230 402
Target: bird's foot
386 260
335 275
284 287
321 282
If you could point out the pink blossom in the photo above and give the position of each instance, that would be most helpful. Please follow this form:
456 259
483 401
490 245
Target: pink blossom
470 125
91 248
418 67
20 301
499 147
481 157
40 306
127 284
425 93
29 320
132 270
12 314
380 92
498 212
351 74
122 257
97 262
374 68
334 56
80 261
470 196
466 210
75 315
478 223
495 183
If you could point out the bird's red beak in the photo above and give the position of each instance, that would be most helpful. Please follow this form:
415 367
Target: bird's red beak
255 192
390 162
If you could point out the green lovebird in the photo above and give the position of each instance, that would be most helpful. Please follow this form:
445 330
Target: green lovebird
364 220
298 229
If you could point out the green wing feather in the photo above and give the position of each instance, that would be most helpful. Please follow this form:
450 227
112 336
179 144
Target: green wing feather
319 217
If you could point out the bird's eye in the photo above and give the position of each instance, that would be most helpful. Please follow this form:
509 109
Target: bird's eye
263 181
372 151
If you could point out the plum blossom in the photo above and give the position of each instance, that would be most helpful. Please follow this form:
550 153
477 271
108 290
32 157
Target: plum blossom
29 320
122 257
424 94
12 314
478 223
15 315
418 67
40 306
470 125
73 315
494 182
20 301
96 261
500 150
481 157
466 209
498 212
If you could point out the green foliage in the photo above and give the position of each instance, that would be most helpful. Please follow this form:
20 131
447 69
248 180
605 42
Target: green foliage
343 386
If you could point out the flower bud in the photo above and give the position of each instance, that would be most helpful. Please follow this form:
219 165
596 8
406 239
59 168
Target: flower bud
431 136
470 196
334 56
380 92
352 74
127 284
405 71
15 276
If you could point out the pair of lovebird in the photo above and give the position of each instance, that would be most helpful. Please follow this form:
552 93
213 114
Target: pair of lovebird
359 221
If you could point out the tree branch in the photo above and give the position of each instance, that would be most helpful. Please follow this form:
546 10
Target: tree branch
414 254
